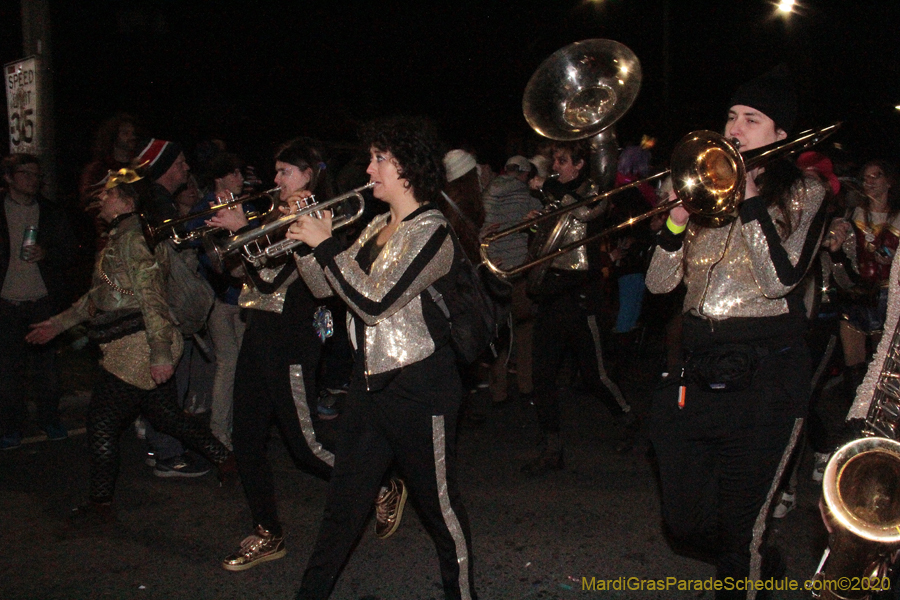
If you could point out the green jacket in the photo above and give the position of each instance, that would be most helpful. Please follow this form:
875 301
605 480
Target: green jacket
130 266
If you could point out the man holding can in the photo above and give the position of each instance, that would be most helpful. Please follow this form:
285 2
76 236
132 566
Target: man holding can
36 248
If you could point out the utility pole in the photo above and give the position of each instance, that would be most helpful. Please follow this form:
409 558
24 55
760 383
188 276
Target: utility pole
36 40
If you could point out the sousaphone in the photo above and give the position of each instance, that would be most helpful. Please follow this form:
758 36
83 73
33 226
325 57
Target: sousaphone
579 92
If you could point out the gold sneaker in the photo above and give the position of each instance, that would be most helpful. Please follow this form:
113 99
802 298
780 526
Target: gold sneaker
257 548
389 508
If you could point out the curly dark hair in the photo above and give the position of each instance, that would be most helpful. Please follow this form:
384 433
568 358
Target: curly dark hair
415 144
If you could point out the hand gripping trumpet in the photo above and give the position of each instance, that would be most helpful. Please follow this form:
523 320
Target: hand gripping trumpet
257 244
169 229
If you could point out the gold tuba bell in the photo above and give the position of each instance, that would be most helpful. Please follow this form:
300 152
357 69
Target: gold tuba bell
861 496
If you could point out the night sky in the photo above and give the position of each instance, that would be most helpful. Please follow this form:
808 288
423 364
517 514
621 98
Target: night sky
256 74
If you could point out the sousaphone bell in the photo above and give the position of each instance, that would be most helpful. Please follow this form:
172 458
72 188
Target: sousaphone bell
579 92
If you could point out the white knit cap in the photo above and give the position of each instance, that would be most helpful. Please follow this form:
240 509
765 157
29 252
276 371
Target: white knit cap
458 163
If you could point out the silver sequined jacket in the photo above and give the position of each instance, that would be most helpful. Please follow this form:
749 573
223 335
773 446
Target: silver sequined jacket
746 268
866 391
389 299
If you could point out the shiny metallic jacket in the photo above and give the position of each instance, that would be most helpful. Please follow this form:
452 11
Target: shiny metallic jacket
387 301
746 268
130 266
866 391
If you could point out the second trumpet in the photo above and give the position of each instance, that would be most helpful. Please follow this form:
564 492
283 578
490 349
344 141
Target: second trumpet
257 244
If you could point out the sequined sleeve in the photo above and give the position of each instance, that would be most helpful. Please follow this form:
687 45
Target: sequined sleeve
418 253
778 265
866 391
313 276
666 265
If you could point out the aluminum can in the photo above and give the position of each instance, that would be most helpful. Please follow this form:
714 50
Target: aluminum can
29 239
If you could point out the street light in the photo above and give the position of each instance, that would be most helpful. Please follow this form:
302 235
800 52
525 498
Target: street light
786 6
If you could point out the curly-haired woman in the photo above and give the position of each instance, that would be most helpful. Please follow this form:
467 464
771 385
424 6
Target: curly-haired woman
404 397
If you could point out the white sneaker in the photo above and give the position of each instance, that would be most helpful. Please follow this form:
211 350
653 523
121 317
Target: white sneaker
819 470
785 505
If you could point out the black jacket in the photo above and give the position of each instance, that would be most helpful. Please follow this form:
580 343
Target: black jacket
61 250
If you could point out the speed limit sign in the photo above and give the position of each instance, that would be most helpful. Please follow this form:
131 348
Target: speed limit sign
22 104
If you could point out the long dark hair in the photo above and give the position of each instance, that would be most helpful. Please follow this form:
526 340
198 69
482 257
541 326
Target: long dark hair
775 186
304 153
893 195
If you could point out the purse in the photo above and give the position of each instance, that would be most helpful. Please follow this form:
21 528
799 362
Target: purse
724 368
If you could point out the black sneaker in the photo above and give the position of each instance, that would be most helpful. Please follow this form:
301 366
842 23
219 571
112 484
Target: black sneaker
55 431
180 466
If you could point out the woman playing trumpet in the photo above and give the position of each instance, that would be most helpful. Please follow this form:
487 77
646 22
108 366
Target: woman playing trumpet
405 394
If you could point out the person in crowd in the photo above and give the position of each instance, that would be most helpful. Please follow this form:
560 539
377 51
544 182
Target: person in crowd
864 248
114 147
129 317
507 202
226 322
405 394
568 301
275 377
721 429
462 206
36 248
168 171
824 318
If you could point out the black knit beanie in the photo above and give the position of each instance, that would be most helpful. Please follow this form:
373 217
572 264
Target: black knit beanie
773 94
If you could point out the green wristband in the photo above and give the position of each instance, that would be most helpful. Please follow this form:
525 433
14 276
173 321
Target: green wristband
676 229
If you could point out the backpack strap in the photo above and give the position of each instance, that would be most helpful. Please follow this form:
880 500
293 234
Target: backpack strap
438 299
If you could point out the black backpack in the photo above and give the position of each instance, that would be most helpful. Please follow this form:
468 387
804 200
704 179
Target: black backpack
474 316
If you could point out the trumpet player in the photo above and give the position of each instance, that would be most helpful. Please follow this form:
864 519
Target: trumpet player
720 430
275 376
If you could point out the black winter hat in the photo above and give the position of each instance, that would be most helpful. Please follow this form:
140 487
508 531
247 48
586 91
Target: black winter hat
773 94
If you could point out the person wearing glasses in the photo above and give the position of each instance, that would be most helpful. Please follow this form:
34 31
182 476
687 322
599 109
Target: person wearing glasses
36 249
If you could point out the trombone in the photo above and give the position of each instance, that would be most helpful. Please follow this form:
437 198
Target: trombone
256 244
168 228
708 173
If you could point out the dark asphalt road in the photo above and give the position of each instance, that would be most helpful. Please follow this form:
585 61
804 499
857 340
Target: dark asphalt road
533 538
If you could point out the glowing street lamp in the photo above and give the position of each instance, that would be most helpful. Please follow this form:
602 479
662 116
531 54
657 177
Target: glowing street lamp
786 6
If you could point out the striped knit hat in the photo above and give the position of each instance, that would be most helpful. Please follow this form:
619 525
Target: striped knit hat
157 156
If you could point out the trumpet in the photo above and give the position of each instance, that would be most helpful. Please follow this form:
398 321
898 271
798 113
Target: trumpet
708 173
168 228
257 245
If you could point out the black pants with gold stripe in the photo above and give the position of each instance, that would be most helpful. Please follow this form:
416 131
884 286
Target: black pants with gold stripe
412 425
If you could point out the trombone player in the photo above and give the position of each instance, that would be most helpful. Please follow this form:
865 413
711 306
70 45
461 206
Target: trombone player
720 430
